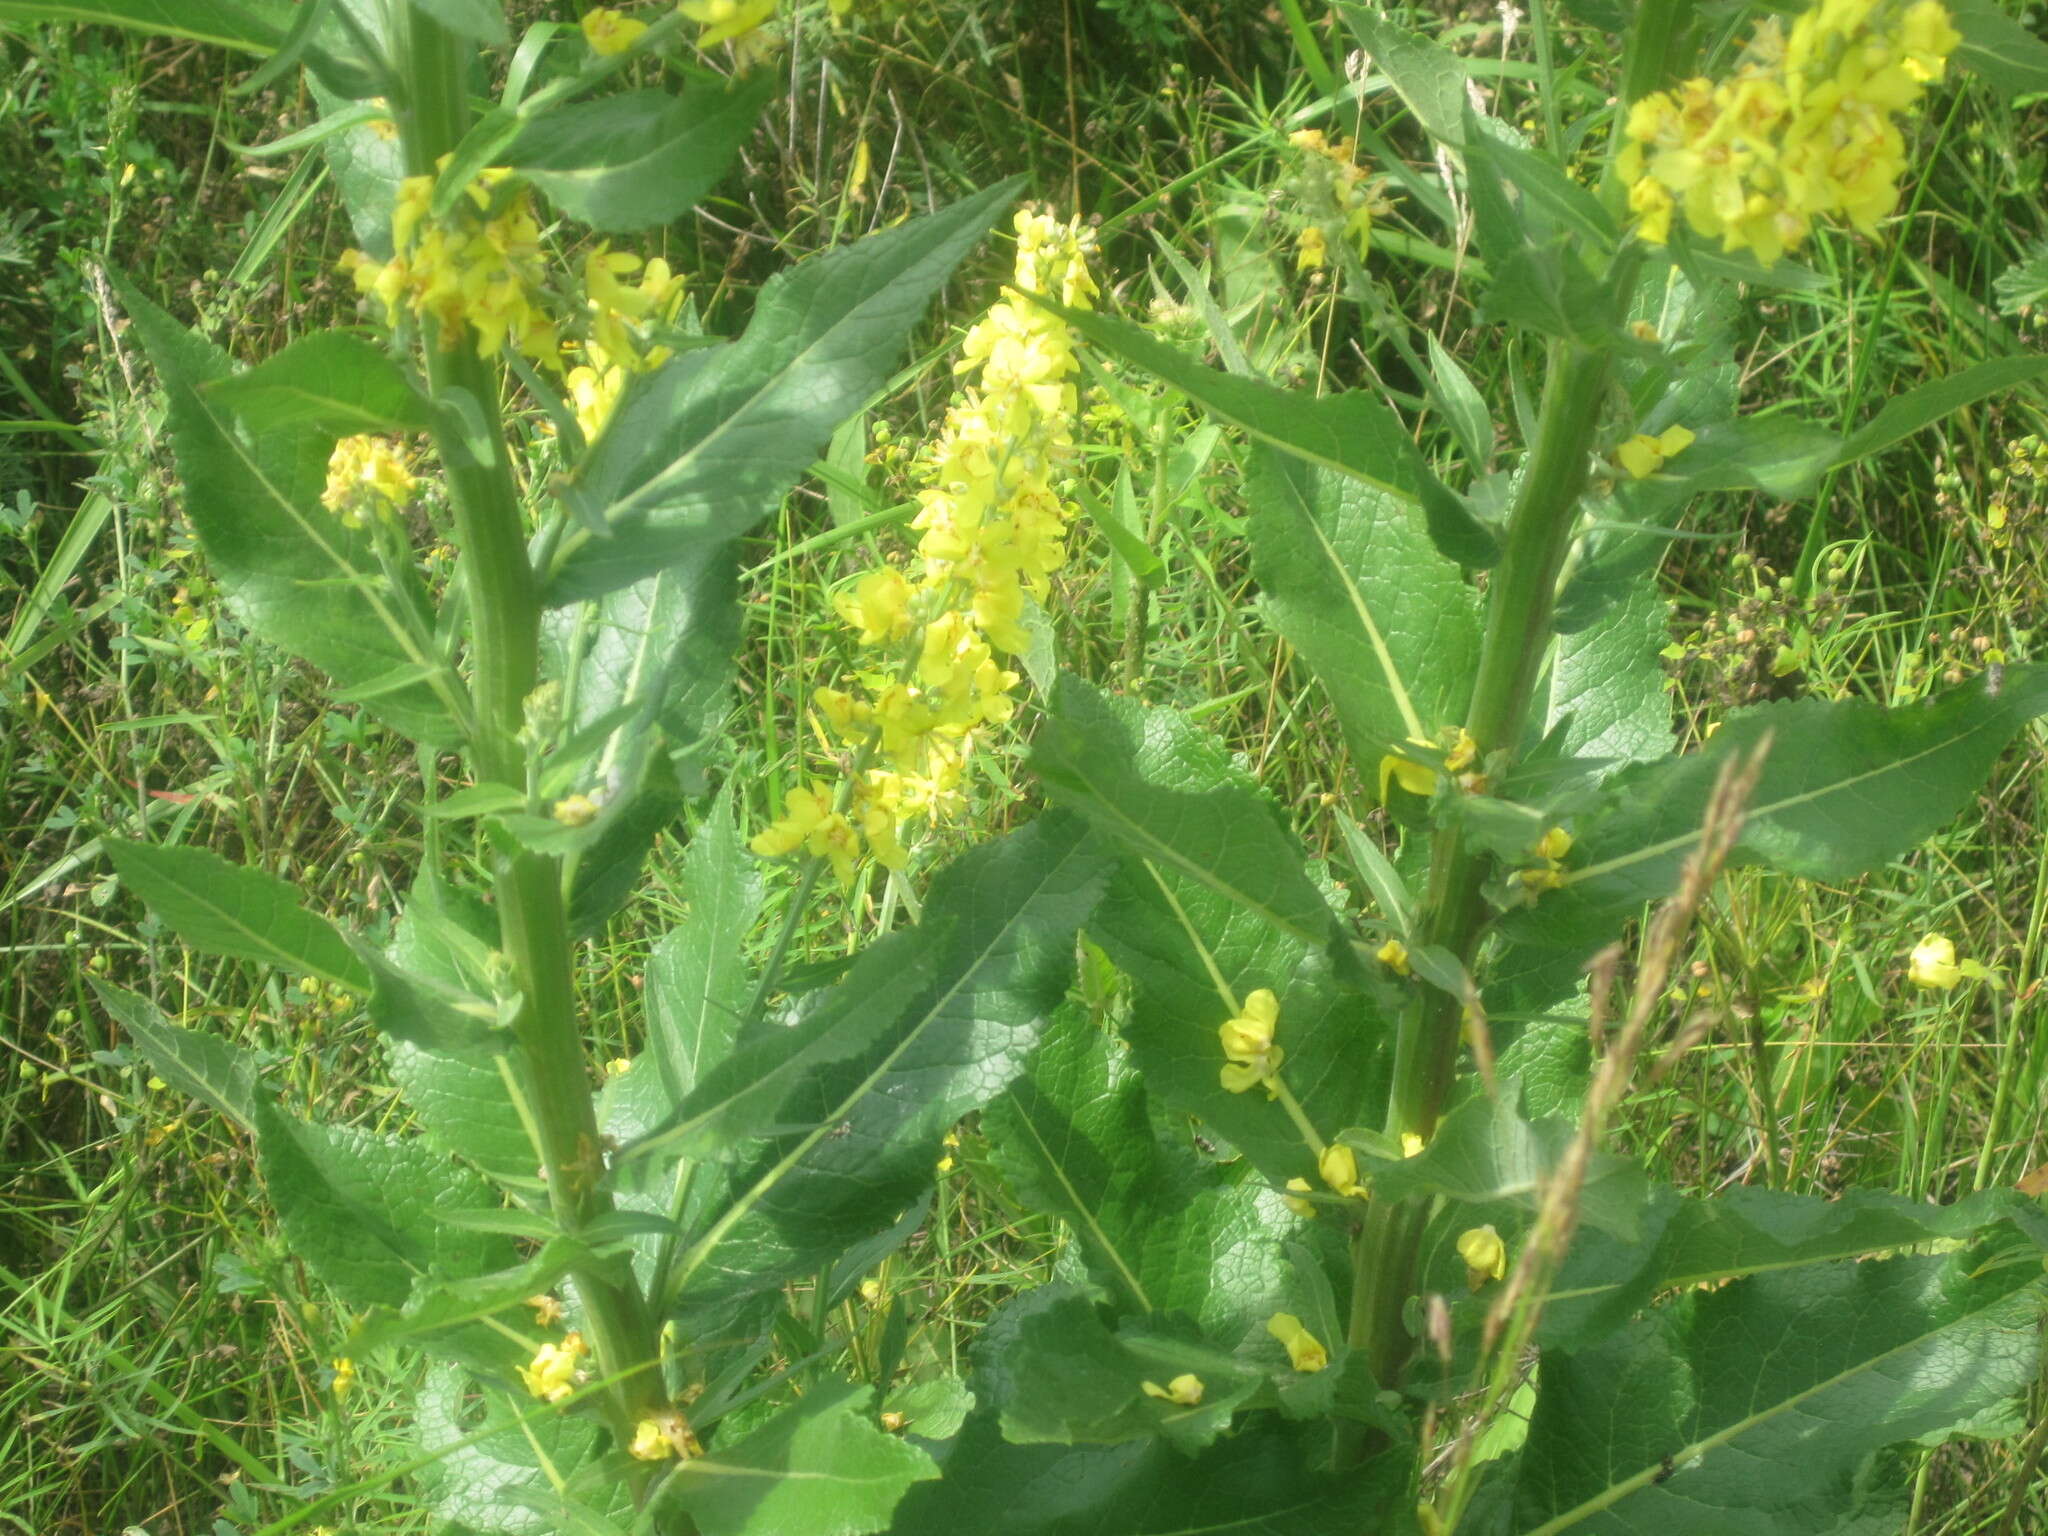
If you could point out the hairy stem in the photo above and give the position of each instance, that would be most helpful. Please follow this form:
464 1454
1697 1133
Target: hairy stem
504 607
1520 597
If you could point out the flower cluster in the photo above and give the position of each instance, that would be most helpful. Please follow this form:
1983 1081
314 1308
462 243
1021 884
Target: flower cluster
480 269
366 480
1806 127
477 270
992 529
552 1375
1345 197
1552 848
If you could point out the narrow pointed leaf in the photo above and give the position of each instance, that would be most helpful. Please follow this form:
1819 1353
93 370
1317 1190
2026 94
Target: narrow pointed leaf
228 909
250 26
698 981
196 1064
708 444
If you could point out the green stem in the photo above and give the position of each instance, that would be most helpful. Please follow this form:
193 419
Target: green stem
1521 595
504 606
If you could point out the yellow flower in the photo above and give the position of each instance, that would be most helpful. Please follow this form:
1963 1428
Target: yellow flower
1249 1035
344 1377
1412 1144
1294 1201
1418 778
1485 1255
726 20
1311 249
1553 845
651 1441
1186 1390
1394 956
878 606
366 479
1339 1167
1934 964
1305 1351
1643 455
552 1375
608 32
546 1310
575 811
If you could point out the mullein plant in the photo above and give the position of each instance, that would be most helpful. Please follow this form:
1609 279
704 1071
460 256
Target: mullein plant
1347 1254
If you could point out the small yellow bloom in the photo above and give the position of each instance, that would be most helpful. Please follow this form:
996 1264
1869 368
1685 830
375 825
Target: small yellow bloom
1305 1351
1294 1201
1553 845
1186 1390
344 1377
366 479
726 21
575 811
552 1375
1418 778
1339 1167
1485 1255
651 1441
609 33
1249 1035
1643 455
546 1310
878 606
1934 964
1311 249
618 1066
1394 956
1412 1144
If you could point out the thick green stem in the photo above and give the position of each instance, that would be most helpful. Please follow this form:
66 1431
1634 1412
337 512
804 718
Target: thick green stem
1520 597
504 606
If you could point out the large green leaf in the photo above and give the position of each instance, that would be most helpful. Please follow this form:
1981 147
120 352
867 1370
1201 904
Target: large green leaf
331 381
819 1467
1924 404
705 446
1352 433
365 1211
1845 787
852 1138
643 158
1161 790
1161 1230
1999 48
1259 1482
512 1476
1348 574
698 980
199 1065
1689 1242
1427 78
252 26
289 567
1760 1407
1607 697
229 909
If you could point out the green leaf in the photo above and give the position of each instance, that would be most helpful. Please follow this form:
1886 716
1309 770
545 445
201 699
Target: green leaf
819 1467
1430 80
363 1210
1161 1230
705 446
228 909
437 1305
643 158
252 26
1845 787
481 21
1607 697
856 1133
422 1011
331 382
459 1096
698 982
1485 1151
1463 407
1924 404
198 1065
1348 575
501 1476
1999 48
1260 1482
290 569
1150 781
1351 433
1759 1407
1690 1243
